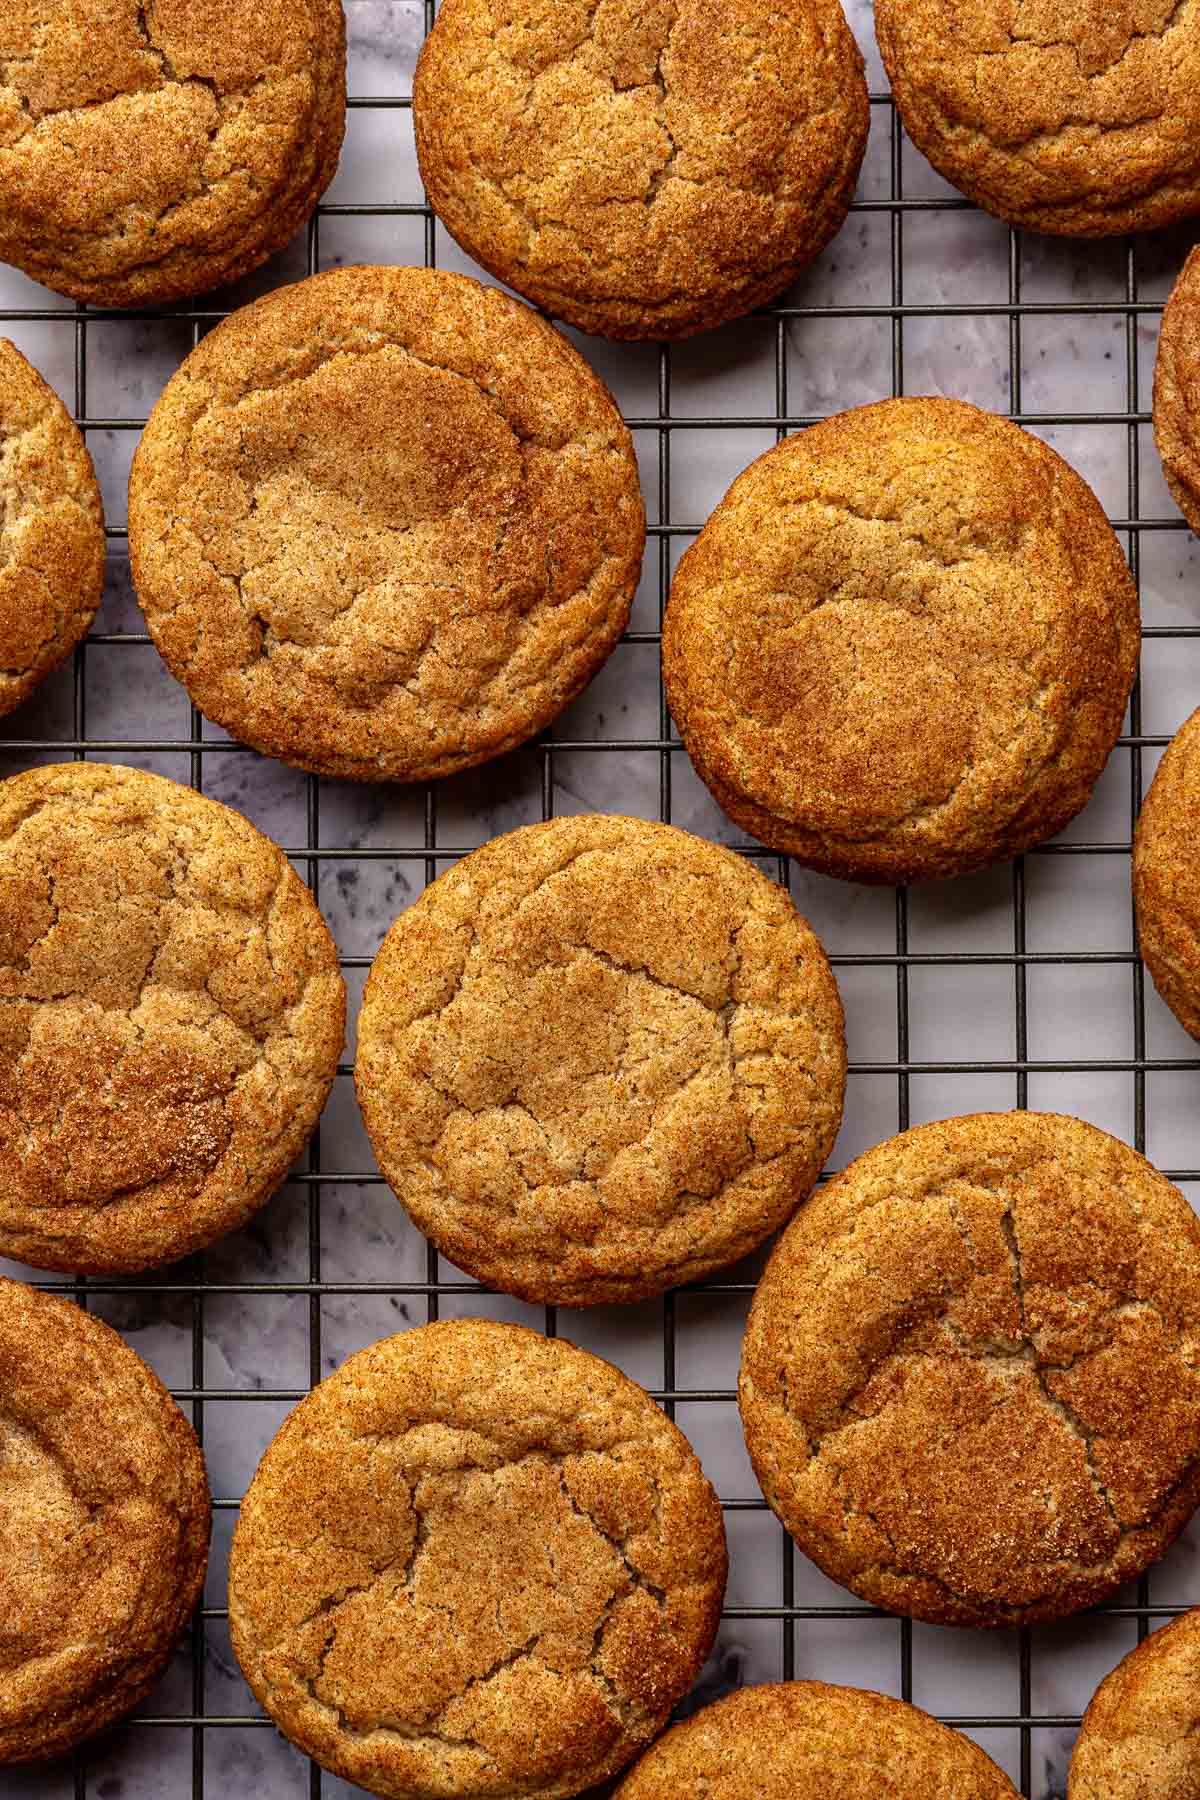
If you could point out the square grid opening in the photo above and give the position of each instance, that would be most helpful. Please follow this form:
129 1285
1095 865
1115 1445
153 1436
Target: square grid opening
1017 987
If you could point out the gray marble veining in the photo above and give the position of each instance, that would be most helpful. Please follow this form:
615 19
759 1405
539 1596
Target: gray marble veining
250 1343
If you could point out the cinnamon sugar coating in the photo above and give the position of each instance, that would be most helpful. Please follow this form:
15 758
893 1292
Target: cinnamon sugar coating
1079 117
902 646
971 1378
806 1737
104 1524
475 1562
385 524
51 531
171 1015
643 171
1141 1734
1165 886
600 1057
152 149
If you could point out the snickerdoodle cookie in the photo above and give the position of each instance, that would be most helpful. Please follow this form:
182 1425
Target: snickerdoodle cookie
151 149
171 1014
475 1561
1141 1734
385 524
599 1057
902 646
644 171
805 1737
104 1521
1082 120
51 531
970 1383
1177 391
1166 882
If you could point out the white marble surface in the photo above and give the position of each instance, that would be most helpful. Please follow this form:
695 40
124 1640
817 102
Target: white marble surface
250 1344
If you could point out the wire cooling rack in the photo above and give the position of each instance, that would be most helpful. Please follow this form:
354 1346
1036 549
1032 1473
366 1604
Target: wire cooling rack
1019 987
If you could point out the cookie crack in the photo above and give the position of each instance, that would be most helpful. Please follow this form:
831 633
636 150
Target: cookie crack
256 1039
1054 1403
329 1605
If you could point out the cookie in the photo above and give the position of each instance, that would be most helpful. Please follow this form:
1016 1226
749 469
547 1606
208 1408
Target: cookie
172 1014
385 524
475 1561
1166 888
51 531
1140 1734
156 150
902 646
1177 391
641 171
968 1383
1080 120
799 1737
600 1057
104 1524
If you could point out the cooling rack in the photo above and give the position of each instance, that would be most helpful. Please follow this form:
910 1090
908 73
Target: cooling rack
1018 987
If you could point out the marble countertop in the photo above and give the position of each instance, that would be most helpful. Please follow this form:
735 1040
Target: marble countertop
245 1345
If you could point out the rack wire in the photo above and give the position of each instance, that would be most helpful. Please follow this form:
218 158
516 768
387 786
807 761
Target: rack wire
1020 1731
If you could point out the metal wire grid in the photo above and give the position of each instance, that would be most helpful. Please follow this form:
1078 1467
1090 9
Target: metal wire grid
189 1279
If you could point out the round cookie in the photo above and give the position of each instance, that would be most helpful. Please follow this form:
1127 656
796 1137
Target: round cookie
805 1737
171 1014
475 1561
1140 1734
969 1383
641 171
104 1524
149 151
51 531
600 1057
1177 391
902 646
385 524
1080 120
1166 888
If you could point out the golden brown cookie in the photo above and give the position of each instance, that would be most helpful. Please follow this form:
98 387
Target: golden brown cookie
1141 1734
644 171
600 1057
1082 120
51 531
153 150
805 1737
385 524
902 646
969 1382
1177 391
1166 883
104 1522
475 1561
171 1014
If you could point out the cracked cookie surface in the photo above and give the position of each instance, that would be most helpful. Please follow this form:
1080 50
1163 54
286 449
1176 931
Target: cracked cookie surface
1177 392
1141 1734
51 531
171 1015
807 1737
475 1561
600 1057
385 524
104 1524
643 171
1166 889
153 149
902 645
1078 117
971 1378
